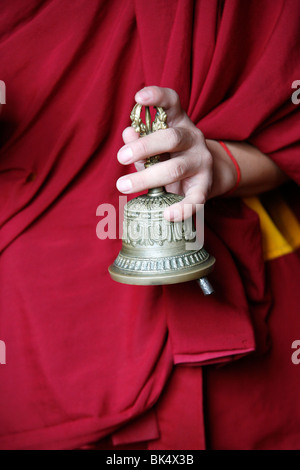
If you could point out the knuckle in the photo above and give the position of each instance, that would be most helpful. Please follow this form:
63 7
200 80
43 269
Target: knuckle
177 170
174 137
208 158
203 157
198 135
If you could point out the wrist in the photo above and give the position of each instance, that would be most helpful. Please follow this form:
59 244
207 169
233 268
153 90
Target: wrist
225 176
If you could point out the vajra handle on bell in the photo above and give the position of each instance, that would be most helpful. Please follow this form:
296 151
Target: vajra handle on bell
160 122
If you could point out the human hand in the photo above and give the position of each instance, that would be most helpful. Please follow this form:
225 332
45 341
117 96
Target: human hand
189 168
196 168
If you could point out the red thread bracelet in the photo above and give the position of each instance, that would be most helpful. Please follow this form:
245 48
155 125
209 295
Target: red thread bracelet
238 170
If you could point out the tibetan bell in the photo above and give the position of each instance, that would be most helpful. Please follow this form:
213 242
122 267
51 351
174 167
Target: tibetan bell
154 250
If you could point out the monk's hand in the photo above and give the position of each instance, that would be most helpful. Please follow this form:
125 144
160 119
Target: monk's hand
186 166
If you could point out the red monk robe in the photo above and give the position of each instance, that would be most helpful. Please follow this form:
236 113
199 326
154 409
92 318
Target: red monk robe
91 359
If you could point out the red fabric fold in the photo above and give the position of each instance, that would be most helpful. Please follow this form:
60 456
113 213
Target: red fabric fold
142 429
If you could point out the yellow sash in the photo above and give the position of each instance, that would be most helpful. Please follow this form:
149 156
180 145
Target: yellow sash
279 225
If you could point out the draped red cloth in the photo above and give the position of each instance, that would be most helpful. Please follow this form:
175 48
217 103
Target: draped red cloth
87 357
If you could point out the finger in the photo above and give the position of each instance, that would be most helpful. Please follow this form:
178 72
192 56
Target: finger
196 195
161 174
187 207
164 97
175 139
139 166
129 135
175 188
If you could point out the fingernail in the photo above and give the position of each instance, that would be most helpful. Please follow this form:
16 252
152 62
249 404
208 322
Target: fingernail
144 95
125 154
124 185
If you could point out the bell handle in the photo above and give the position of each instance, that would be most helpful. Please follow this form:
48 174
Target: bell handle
160 122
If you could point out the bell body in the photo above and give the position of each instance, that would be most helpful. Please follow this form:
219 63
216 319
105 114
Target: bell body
154 250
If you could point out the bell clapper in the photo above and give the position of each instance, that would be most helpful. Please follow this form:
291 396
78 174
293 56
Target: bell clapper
206 286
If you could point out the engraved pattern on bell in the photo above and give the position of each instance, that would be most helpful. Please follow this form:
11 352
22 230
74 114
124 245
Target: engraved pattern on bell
155 265
144 223
154 245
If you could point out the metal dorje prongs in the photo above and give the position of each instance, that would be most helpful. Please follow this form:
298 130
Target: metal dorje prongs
159 122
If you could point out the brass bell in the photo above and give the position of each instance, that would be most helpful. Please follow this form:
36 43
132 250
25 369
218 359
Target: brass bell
154 250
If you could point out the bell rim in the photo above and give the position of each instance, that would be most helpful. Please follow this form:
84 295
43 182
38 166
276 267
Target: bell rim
144 279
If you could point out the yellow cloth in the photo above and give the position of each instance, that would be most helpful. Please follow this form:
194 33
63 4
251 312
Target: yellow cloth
279 225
